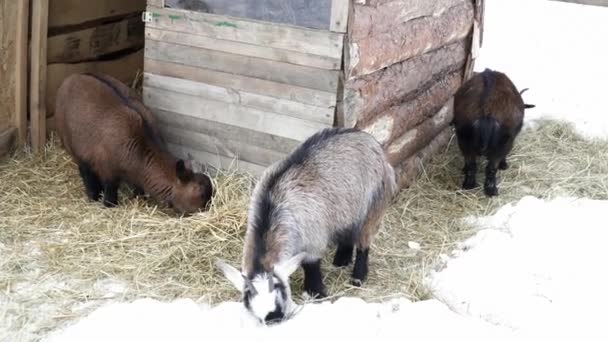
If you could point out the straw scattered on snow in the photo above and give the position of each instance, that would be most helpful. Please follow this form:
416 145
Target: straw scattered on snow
62 255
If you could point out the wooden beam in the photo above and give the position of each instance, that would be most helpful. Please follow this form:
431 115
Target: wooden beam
307 77
74 12
91 43
21 71
231 114
243 98
216 161
339 15
316 42
40 11
242 83
244 49
225 132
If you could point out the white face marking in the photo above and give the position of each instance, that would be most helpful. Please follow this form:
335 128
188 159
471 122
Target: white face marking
265 299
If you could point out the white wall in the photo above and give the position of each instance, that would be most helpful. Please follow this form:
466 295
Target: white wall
558 50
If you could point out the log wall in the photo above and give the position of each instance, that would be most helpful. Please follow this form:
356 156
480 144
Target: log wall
405 61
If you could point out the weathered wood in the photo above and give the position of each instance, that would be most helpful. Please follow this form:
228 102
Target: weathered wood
97 41
304 13
244 49
38 76
316 42
156 3
21 61
242 83
221 146
7 140
124 69
419 136
73 12
409 39
246 99
405 116
587 2
13 64
411 167
313 78
368 96
216 161
373 20
226 132
339 15
231 114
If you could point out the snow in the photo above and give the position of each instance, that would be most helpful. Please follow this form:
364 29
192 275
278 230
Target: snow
536 268
184 321
556 49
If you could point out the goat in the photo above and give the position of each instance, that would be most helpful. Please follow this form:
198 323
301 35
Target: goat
331 190
488 116
113 137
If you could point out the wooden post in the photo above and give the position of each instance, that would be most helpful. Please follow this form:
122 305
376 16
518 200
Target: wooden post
40 11
20 119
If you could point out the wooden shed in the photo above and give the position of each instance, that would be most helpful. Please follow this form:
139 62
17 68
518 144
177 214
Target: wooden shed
44 41
241 83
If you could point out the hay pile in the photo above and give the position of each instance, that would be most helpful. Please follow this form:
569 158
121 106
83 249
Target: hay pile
58 250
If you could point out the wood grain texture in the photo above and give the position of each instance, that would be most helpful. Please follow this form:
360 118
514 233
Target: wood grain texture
409 39
216 161
38 76
21 77
307 77
316 42
243 98
94 42
74 12
226 132
244 49
7 140
242 83
280 125
339 15
221 146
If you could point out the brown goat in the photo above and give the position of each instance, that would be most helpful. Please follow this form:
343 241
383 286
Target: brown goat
488 116
113 137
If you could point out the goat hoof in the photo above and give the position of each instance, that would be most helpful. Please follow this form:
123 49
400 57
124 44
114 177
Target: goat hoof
503 165
317 294
469 184
357 282
490 191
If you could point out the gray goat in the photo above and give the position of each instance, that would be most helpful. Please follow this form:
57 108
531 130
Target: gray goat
332 190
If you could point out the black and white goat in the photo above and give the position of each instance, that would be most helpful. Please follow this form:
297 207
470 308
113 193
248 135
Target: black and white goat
333 190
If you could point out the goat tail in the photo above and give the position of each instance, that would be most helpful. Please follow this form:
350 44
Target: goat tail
486 133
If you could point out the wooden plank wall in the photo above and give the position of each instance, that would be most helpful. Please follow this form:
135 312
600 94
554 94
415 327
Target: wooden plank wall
237 92
104 36
13 73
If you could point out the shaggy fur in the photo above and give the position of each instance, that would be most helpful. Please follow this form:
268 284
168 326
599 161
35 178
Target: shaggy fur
113 137
488 116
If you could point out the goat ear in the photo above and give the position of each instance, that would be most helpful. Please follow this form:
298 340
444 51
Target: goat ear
528 106
183 173
232 274
286 268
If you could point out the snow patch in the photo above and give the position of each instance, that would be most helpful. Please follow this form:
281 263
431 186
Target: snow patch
536 268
